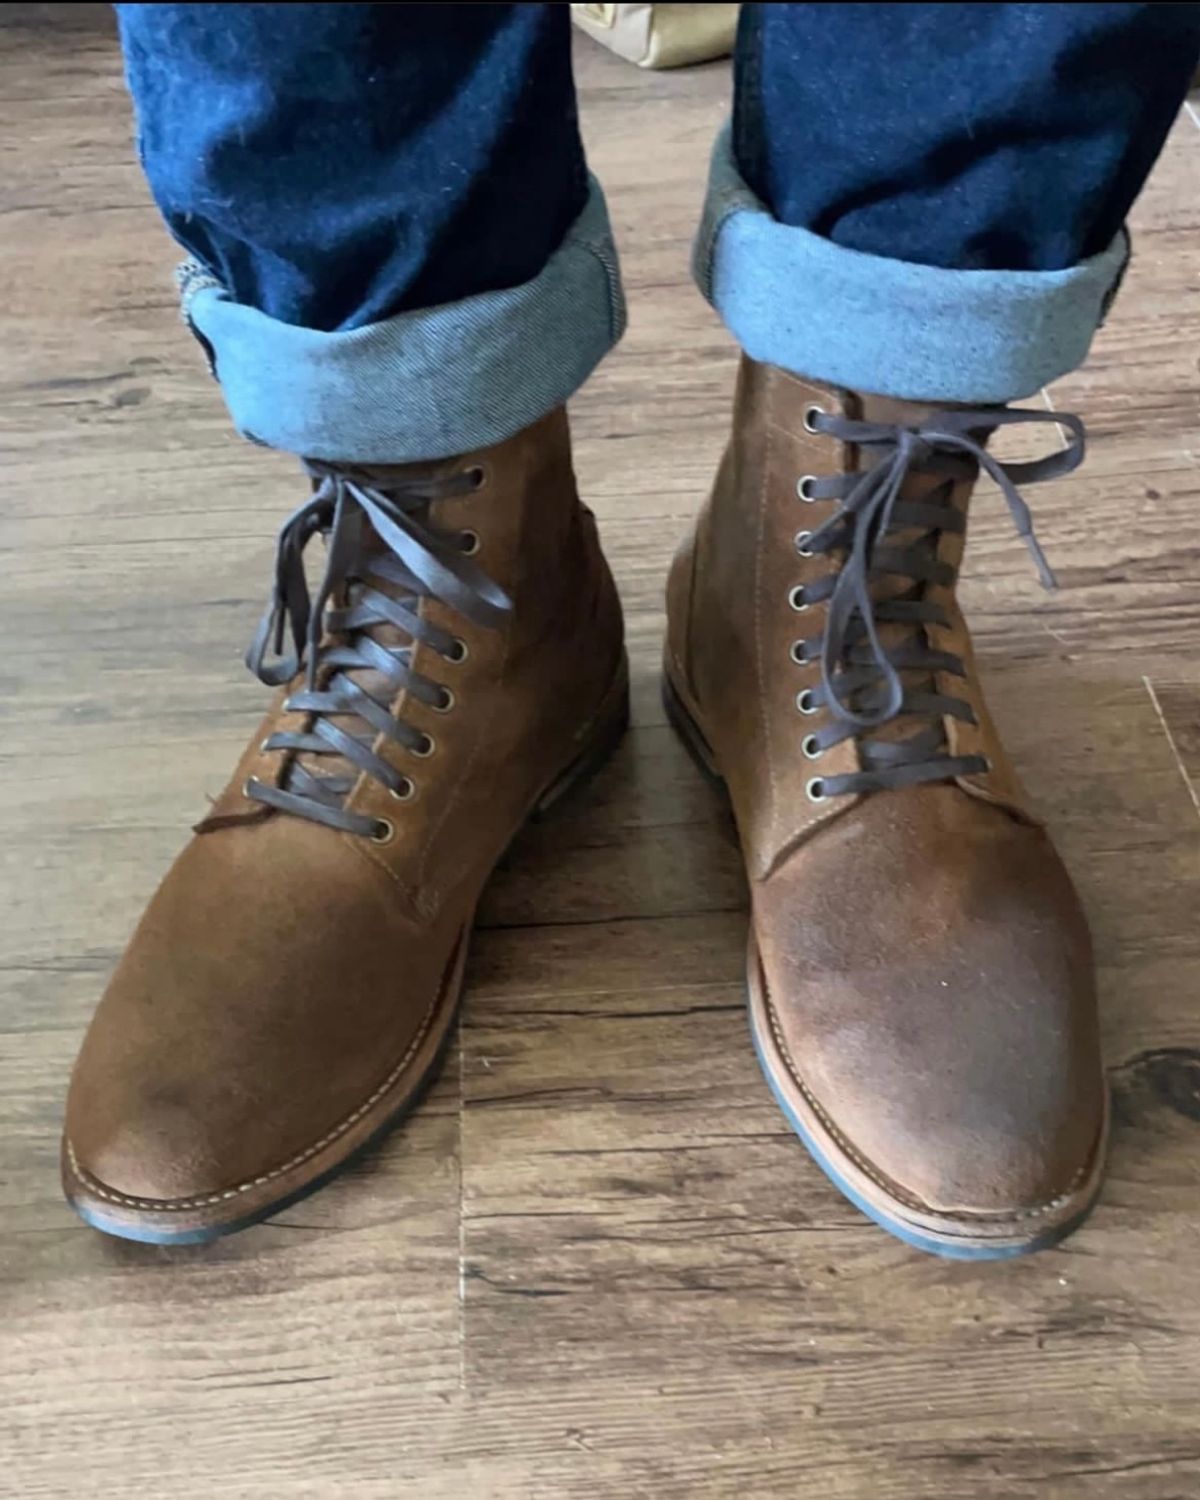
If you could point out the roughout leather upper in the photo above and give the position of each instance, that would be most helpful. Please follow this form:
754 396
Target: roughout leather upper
283 970
927 967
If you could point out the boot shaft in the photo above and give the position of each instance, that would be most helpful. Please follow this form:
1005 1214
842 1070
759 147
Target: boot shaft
739 618
511 696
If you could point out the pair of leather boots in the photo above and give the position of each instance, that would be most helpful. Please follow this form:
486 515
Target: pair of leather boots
919 971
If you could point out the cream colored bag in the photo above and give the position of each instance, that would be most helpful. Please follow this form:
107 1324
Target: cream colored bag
660 36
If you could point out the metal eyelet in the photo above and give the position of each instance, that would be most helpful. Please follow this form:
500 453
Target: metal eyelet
797 600
458 652
262 745
469 542
815 789
383 832
246 785
405 792
425 746
810 416
811 747
802 488
446 702
477 474
801 549
804 701
797 653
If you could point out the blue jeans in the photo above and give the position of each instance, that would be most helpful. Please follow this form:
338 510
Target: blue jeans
397 253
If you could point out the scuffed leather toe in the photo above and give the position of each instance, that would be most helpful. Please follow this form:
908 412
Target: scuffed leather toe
215 1056
941 1019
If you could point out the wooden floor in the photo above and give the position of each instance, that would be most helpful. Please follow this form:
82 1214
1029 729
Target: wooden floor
596 1264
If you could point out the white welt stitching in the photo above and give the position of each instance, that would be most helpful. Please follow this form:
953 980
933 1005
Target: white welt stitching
892 1189
176 1205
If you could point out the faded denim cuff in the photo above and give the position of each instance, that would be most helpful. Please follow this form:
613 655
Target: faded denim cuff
891 327
426 384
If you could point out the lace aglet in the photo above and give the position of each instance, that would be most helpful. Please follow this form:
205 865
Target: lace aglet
1045 571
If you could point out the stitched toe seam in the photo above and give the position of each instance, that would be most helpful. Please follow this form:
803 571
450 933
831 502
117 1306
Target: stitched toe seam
210 1200
891 1188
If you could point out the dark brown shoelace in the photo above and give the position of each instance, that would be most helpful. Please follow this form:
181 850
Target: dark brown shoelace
880 535
383 556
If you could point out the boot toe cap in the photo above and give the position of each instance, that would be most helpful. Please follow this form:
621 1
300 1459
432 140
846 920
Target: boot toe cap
941 1027
143 1150
243 1048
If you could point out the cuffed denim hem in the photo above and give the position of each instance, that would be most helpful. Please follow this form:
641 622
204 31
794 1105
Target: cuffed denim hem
891 327
426 384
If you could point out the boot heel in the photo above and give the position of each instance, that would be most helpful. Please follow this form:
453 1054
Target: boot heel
689 732
605 734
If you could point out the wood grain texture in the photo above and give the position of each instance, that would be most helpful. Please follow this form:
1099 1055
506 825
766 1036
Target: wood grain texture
595 1264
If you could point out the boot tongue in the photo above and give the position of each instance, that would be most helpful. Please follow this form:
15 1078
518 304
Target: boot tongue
893 412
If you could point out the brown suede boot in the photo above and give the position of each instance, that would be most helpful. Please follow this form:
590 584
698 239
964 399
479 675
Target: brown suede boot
292 985
920 973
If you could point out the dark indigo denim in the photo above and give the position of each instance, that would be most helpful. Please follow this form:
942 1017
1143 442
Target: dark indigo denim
397 253
336 164
333 165
993 137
